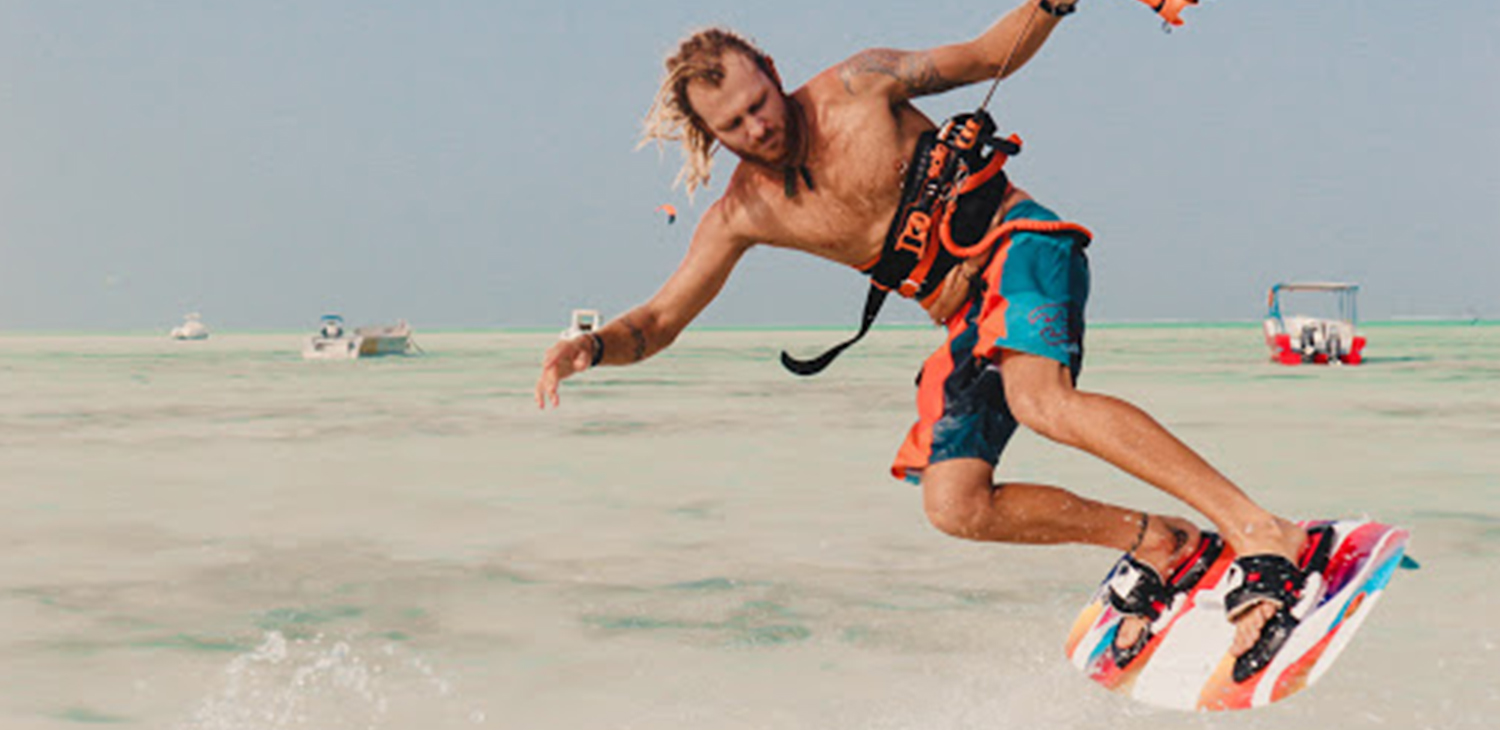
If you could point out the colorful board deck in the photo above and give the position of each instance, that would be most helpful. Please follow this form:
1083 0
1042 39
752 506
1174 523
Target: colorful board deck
1186 664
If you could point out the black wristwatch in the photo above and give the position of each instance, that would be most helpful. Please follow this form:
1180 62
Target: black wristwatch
1059 10
598 354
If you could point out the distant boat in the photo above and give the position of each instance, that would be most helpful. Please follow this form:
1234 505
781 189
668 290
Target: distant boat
192 328
1295 339
334 342
583 322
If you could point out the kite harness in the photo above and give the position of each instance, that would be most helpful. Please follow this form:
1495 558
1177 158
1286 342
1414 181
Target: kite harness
954 186
955 183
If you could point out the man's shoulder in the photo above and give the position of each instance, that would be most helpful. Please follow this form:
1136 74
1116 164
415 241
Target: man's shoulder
733 215
871 74
748 211
831 85
840 109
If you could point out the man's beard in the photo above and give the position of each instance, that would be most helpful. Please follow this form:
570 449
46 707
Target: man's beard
790 136
778 162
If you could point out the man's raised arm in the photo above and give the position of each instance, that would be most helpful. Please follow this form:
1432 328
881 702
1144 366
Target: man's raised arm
652 326
998 52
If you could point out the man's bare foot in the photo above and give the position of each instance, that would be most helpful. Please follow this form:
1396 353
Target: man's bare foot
1168 541
1247 627
1279 537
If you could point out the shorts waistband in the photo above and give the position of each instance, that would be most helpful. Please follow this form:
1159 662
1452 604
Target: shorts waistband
1030 210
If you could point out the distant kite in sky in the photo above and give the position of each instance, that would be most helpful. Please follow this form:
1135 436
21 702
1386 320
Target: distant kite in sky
670 210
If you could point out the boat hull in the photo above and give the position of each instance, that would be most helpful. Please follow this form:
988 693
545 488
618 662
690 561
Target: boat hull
364 342
1306 349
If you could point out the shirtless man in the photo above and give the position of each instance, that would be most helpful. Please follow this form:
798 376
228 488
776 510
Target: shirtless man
820 170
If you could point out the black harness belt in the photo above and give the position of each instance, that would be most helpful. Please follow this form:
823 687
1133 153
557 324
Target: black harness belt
953 187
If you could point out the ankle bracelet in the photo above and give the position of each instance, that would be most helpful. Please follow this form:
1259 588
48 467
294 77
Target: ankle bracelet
1141 536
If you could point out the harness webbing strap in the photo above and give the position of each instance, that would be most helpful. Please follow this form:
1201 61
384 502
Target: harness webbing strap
960 163
873 300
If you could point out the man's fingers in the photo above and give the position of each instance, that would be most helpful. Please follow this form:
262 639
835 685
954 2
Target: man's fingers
556 367
546 385
543 388
551 392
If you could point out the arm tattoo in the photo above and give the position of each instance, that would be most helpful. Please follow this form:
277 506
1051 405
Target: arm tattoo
916 72
639 338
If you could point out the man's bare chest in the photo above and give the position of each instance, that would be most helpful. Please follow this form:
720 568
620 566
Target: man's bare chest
856 187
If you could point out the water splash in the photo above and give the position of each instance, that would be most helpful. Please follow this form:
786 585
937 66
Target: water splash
319 683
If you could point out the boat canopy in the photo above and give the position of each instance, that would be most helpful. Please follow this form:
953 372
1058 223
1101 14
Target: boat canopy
1346 294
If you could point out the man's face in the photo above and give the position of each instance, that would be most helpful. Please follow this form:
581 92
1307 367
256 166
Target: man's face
747 113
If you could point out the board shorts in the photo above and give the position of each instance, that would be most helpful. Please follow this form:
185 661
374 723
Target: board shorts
1030 298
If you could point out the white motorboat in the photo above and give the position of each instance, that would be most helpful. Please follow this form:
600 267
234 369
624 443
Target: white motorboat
192 328
334 342
1327 336
583 322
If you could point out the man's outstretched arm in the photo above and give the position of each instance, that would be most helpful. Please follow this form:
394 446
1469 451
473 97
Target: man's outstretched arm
998 52
652 326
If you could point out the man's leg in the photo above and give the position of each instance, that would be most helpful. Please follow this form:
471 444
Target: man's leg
1041 395
960 500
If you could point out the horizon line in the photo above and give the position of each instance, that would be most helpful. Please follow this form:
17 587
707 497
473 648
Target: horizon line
890 326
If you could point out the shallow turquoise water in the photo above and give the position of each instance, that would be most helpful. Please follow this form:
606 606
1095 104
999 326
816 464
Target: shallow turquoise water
218 535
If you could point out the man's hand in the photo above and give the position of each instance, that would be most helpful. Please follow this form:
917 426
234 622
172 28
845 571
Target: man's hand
567 357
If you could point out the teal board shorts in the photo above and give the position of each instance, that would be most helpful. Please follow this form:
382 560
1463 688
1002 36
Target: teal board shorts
1030 298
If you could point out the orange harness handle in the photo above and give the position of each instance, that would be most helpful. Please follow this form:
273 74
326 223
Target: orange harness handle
945 233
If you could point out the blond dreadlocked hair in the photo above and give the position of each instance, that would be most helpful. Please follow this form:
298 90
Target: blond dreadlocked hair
699 57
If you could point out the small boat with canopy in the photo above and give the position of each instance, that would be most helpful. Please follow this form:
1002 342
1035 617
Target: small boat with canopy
1321 331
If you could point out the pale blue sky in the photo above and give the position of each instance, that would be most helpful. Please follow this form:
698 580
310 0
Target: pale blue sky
472 164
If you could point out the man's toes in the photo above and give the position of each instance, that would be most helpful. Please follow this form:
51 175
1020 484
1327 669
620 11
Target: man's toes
1247 627
1244 637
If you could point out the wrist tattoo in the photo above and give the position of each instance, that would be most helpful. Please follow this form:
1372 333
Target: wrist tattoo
639 338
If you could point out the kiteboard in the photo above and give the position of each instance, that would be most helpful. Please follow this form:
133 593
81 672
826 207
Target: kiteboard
1185 664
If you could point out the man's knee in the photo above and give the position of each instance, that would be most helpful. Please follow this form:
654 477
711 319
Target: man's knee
1039 394
956 496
